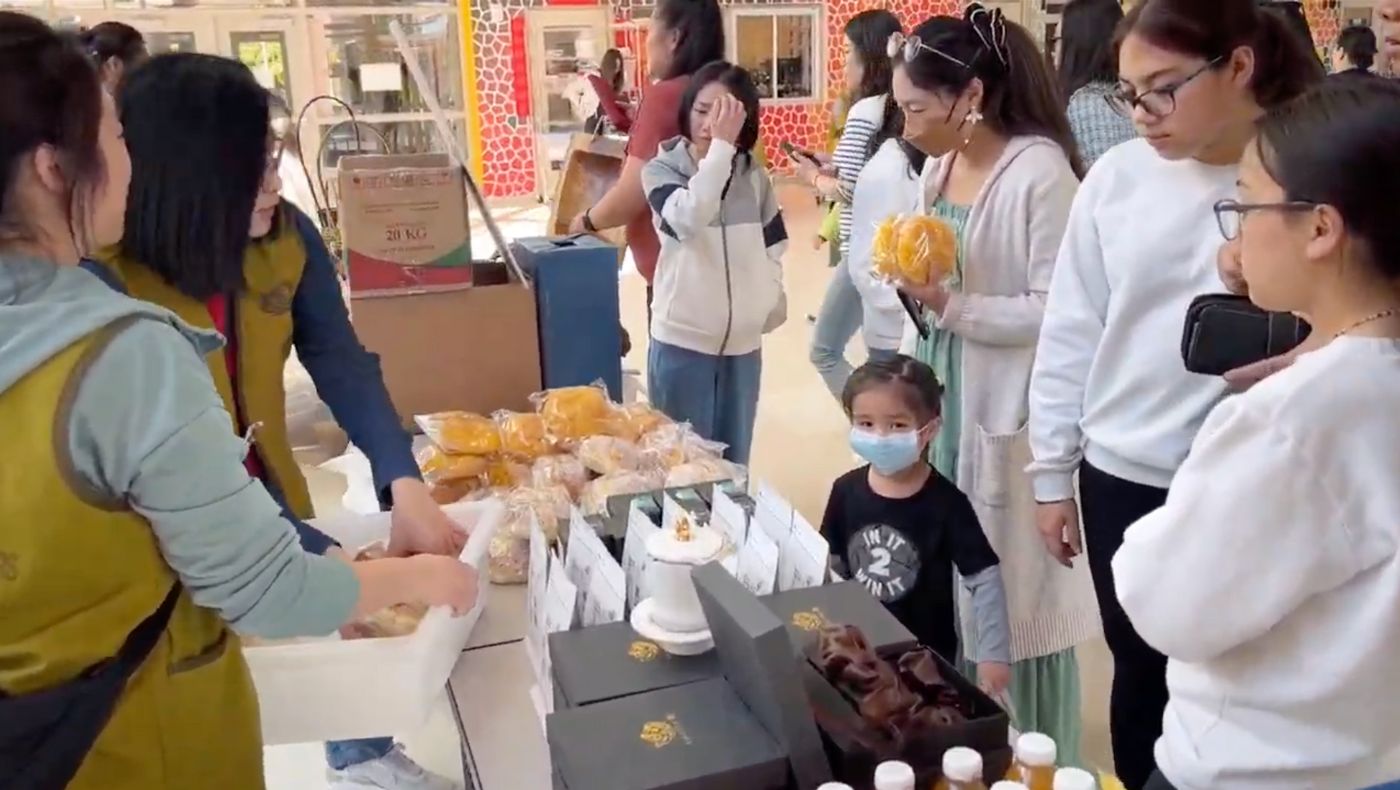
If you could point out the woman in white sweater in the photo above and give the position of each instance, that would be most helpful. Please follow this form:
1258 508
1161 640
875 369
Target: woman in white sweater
978 99
1271 576
1110 398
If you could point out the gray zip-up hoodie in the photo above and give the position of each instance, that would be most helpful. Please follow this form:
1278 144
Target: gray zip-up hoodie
719 278
147 428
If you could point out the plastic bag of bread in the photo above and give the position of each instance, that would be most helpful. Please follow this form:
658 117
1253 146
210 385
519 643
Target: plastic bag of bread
508 559
704 470
572 414
522 435
505 472
675 444
461 432
451 491
597 493
440 467
401 619
549 504
917 249
634 420
560 470
609 455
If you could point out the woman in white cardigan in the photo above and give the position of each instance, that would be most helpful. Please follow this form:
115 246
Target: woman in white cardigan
978 99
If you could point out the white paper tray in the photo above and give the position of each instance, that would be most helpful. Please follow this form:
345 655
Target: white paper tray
329 689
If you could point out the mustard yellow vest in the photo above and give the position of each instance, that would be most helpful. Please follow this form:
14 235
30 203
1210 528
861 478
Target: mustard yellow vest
77 574
262 315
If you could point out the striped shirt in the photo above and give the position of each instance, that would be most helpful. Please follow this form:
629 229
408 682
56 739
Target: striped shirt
1096 126
851 154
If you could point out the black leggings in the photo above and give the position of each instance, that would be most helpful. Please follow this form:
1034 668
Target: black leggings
1139 695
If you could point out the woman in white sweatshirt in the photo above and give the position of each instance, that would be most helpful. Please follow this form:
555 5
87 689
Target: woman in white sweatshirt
1110 398
979 101
1271 576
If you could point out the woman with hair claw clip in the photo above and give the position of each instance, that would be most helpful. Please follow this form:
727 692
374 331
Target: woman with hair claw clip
1003 169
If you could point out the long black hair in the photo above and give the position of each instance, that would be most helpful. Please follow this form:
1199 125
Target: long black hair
610 69
1019 95
1339 145
50 94
699 29
869 32
1086 43
1213 29
197 127
108 40
739 84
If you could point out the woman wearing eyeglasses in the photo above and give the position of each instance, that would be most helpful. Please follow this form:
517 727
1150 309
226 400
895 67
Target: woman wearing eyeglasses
1110 398
209 238
1271 575
979 100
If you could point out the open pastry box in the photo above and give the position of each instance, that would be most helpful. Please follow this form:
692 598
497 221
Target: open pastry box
326 688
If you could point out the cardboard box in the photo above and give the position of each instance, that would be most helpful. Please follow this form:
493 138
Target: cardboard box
612 661
404 222
699 736
806 611
756 655
474 348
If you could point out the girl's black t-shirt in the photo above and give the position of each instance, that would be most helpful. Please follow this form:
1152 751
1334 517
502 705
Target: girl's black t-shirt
905 550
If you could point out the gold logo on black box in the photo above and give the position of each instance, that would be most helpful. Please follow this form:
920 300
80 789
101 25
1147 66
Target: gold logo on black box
660 734
813 619
643 651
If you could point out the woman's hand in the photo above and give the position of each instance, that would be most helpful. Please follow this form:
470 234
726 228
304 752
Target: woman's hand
933 295
576 225
419 526
727 119
1058 524
443 581
993 677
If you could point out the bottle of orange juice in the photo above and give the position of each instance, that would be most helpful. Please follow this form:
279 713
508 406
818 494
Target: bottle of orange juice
1035 761
962 770
1074 779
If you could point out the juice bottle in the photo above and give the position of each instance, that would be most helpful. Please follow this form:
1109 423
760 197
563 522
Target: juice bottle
834 786
1007 784
894 775
1035 761
1074 779
962 769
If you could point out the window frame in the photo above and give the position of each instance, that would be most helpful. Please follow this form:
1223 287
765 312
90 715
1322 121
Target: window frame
817 56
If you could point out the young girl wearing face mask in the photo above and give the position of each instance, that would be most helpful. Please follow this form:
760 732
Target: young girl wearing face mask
902 529
1002 171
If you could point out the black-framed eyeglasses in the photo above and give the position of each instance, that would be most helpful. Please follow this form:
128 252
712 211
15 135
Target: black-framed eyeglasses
1158 102
909 48
1230 214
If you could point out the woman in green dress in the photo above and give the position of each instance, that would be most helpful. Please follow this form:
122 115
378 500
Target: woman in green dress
1003 170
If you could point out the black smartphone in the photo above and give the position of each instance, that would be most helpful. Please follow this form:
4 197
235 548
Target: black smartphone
797 153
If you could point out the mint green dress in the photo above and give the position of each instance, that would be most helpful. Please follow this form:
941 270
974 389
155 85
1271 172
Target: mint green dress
1044 692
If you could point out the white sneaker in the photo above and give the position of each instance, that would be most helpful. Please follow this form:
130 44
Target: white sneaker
394 771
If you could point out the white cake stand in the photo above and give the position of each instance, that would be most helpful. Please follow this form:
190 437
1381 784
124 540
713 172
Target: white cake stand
677 643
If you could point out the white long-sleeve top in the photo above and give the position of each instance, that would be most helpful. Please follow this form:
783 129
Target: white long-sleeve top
887 186
1109 385
1271 580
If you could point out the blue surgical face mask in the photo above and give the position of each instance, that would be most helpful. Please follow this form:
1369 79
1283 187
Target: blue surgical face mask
888 454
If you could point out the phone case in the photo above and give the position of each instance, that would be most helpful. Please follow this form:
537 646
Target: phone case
1223 332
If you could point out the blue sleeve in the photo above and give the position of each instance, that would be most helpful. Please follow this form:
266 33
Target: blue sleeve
346 375
312 540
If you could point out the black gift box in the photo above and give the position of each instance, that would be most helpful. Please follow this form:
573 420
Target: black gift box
756 655
985 731
611 661
808 610
699 736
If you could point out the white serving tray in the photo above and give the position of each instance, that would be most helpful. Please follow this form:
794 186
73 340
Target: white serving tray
327 688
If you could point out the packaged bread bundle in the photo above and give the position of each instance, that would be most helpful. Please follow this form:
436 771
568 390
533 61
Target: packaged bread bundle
508 559
597 493
916 249
522 435
401 619
705 470
441 467
609 455
506 472
548 504
461 432
634 420
560 470
572 414
451 491
672 445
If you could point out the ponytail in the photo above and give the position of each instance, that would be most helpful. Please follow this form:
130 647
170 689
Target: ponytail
1032 102
1284 66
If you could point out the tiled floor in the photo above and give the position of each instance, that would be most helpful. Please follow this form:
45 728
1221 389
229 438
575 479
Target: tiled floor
800 448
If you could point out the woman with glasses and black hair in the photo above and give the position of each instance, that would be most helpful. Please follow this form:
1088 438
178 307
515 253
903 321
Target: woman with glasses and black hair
209 237
1270 577
1089 75
1110 399
979 100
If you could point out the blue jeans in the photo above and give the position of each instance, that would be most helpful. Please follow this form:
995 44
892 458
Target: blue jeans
837 322
717 395
343 754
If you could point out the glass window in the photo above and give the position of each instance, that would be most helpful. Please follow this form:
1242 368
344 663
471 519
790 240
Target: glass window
779 48
364 68
264 52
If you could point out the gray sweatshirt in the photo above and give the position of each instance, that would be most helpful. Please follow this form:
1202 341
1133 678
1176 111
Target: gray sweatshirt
148 428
